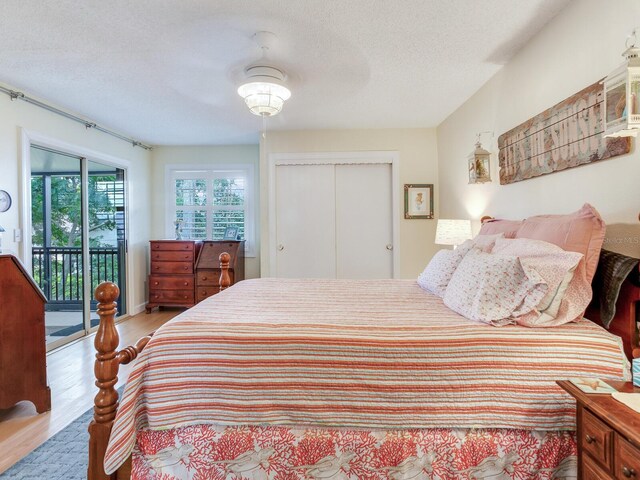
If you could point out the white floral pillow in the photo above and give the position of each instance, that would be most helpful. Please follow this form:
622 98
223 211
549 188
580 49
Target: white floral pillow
438 272
569 292
486 242
494 288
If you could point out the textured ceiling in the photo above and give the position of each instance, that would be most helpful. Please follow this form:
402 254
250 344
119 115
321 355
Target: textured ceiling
166 71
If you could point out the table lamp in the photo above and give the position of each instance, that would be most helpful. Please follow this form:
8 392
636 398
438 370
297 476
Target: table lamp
453 232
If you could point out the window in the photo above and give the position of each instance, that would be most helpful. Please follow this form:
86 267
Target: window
203 203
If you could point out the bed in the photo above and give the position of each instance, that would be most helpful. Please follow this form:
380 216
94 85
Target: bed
300 379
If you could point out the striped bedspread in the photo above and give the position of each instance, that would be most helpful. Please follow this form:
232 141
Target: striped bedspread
350 353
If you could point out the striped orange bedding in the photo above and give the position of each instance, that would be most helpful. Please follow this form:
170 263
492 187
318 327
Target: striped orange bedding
380 354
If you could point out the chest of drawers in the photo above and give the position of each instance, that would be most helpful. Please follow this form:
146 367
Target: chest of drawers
208 266
171 278
608 435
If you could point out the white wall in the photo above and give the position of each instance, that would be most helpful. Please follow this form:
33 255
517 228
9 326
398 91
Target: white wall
579 47
418 164
207 156
18 115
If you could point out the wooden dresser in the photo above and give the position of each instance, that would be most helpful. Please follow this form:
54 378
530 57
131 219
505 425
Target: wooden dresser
23 355
171 278
208 266
608 435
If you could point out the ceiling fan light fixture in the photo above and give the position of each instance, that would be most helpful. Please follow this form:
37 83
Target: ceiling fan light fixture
264 90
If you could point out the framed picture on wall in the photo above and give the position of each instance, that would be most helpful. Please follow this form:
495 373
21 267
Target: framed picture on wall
418 200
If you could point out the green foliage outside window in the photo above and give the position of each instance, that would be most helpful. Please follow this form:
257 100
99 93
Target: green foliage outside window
65 279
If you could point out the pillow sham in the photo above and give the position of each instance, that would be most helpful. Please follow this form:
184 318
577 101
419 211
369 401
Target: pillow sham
494 288
437 274
507 227
557 267
486 242
582 231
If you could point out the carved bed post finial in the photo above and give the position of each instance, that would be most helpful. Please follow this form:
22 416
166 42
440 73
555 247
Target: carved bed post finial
225 280
106 371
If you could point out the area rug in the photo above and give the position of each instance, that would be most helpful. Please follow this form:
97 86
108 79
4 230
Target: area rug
64 456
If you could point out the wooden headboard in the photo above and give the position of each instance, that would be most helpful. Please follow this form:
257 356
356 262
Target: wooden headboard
625 239
625 323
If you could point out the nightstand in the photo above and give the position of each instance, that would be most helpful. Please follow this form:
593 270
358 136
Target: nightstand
608 434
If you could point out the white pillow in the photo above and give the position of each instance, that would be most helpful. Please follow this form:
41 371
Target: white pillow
486 242
494 288
435 277
555 265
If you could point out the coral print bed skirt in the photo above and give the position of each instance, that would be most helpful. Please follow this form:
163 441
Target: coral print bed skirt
284 453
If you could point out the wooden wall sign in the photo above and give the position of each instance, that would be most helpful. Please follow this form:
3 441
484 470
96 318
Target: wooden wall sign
567 135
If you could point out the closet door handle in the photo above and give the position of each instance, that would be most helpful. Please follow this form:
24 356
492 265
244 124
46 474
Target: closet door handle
389 247
280 247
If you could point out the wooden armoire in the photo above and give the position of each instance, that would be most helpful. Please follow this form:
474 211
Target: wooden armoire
23 351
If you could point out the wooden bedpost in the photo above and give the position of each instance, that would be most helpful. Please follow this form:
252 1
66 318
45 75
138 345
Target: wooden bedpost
225 280
106 371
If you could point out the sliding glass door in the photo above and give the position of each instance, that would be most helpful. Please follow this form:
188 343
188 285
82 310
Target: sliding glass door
78 238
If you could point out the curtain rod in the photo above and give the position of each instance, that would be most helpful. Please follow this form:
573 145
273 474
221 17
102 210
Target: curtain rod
15 95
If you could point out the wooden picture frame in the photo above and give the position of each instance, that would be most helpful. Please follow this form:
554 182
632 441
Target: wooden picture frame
418 200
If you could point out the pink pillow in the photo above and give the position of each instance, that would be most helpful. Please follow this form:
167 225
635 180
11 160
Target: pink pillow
440 269
494 288
582 231
568 294
506 227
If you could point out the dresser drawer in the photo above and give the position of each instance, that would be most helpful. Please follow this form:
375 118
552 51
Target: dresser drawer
171 296
178 282
172 267
207 278
627 459
597 438
171 256
591 470
179 246
205 292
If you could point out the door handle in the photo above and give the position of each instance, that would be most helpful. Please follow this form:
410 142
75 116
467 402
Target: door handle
280 247
389 247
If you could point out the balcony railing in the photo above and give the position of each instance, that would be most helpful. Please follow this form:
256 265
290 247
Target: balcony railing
58 272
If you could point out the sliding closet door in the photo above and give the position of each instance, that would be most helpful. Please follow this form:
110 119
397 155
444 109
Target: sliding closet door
364 222
305 221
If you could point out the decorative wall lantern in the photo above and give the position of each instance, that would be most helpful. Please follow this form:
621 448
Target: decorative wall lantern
622 95
480 163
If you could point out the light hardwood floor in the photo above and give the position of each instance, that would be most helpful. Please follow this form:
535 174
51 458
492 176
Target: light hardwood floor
70 376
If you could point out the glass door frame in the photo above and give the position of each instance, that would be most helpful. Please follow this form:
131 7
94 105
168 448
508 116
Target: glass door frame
29 139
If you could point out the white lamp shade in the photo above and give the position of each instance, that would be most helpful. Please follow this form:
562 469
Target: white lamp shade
453 232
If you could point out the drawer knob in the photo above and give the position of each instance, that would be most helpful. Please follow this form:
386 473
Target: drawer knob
186 296
156 283
628 472
186 284
186 267
590 439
